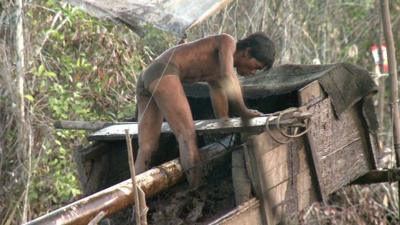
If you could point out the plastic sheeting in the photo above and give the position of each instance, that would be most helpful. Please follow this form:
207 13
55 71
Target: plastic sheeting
174 16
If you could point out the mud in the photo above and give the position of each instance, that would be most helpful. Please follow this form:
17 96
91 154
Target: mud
179 205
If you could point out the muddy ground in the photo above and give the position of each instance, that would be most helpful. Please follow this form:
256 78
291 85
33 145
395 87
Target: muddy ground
179 205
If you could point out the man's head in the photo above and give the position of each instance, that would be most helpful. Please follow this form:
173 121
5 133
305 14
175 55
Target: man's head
253 53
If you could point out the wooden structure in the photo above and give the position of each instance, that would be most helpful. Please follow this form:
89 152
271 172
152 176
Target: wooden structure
284 174
288 177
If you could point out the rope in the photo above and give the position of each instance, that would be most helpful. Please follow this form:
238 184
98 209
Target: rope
295 135
281 130
272 136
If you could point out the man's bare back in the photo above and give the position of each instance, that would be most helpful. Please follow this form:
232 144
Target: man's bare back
192 57
160 93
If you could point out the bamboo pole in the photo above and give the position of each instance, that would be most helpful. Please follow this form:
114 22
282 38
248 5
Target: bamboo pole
120 195
133 177
387 27
143 207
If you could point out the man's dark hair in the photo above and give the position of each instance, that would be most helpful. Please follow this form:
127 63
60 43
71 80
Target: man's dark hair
261 47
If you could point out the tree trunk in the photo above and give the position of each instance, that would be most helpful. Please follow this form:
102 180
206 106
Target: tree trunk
21 123
387 27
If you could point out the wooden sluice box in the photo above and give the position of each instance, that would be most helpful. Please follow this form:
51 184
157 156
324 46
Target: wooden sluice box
272 176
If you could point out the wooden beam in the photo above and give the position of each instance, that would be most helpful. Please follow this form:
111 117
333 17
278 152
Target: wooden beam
120 195
84 125
246 213
379 176
221 126
307 95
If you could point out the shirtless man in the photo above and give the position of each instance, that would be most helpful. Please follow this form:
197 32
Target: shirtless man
212 60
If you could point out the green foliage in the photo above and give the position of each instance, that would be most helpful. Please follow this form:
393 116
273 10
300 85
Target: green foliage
86 71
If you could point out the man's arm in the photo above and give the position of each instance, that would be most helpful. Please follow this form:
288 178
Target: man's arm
219 100
229 81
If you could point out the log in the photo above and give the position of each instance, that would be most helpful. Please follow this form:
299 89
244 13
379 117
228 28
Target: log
120 195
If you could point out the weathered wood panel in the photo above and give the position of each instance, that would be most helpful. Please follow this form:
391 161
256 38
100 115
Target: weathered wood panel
281 176
247 213
240 179
338 145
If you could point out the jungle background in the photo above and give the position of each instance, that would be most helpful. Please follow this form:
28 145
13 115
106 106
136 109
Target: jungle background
75 67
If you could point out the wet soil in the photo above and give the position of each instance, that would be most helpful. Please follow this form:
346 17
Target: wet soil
179 205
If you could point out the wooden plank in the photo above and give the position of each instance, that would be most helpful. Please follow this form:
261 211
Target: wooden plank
277 196
336 132
281 177
311 94
379 176
220 126
252 153
282 203
266 142
338 145
276 176
307 96
306 198
279 192
303 161
240 179
83 125
343 167
280 210
247 213
303 181
282 171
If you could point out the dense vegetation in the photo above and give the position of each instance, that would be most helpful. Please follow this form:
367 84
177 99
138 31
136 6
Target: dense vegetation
80 68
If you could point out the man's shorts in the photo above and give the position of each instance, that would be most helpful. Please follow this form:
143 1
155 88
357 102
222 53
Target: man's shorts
155 71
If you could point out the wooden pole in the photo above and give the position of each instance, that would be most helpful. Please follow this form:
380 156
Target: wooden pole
97 218
379 176
120 195
382 88
133 177
387 28
83 125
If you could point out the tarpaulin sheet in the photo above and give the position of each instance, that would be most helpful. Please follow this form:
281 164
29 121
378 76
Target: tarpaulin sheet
170 15
346 84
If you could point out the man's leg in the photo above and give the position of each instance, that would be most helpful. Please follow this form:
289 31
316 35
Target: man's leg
150 121
172 101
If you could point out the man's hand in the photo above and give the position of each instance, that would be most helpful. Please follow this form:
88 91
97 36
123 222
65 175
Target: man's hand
250 113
